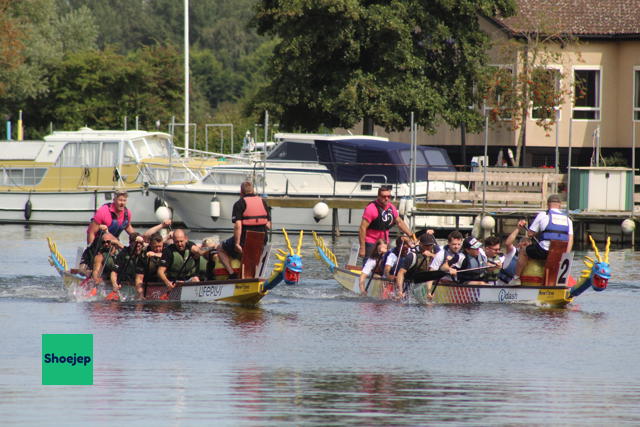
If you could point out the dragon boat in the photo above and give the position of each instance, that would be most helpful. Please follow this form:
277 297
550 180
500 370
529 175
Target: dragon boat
545 284
247 290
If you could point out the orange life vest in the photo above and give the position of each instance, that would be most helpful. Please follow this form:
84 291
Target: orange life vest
254 213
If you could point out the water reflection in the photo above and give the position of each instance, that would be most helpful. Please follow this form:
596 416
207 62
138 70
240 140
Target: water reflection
338 398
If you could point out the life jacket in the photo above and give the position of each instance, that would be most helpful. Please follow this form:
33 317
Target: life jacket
472 262
557 228
419 262
491 275
109 264
126 266
507 273
151 265
175 269
254 213
115 227
384 221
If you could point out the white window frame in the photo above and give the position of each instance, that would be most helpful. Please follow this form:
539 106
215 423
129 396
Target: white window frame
557 107
635 109
598 109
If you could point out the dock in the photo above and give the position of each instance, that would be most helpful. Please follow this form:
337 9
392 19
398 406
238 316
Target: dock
507 197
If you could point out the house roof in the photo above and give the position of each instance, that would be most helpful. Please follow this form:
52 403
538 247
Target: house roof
581 18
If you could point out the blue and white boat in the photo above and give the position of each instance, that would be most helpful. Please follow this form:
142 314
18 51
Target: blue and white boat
307 169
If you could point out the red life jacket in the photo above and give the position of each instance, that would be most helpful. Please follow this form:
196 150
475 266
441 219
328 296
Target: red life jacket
254 213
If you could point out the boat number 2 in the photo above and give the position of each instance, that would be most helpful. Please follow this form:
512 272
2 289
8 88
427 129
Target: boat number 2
565 268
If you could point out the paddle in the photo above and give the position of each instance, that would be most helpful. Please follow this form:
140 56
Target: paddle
426 276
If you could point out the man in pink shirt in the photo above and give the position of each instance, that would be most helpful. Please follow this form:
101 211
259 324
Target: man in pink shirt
115 216
378 217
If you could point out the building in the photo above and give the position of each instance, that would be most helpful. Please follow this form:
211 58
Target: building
600 48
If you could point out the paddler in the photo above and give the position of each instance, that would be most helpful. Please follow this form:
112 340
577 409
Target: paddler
552 224
510 261
415 261
124 271
104 262
474 259
378 217
179 261
148 263
374 265
250 213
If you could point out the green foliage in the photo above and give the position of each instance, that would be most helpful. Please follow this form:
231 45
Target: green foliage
343 60
98 88
615 159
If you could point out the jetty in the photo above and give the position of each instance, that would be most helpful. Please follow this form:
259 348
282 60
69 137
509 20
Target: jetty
510 194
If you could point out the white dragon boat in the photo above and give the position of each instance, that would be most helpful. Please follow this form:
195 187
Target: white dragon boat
244 291
552 288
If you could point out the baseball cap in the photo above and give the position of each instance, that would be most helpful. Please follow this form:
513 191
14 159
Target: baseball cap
427 239
471 243
554 198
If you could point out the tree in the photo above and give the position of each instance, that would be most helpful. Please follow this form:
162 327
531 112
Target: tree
340 61
533 84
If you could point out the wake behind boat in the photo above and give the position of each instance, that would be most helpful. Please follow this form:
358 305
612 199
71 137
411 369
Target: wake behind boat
248 290
553 292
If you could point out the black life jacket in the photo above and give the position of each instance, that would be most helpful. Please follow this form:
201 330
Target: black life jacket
385 220
472 262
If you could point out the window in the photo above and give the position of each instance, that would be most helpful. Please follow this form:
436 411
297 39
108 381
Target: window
289 150
89 154
500 90
636 94
21 176
545 93
587 94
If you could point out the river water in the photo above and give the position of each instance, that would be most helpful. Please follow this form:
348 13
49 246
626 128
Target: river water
314 354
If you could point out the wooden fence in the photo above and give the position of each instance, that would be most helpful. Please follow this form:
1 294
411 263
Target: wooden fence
528 188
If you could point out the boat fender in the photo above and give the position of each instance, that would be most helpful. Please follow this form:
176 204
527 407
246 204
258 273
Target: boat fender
163 213
158 202
320 211
28 208
402 207
215 208
409 207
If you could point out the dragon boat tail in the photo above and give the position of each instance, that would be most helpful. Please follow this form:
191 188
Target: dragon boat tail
245 291
552 289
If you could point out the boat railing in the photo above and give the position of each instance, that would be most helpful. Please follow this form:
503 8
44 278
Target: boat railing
210 154
167 173
358 185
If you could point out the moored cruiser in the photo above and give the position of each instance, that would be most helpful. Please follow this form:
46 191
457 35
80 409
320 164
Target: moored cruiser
67 176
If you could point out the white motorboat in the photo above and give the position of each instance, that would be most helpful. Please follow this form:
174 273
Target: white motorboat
65 177
316 167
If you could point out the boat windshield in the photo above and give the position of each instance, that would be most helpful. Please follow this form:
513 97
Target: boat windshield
297 151
153 146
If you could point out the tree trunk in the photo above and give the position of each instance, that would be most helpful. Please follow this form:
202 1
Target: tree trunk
367 126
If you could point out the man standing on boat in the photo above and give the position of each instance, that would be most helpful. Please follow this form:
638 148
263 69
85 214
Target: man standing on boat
250 213
115 215
552 224
378 217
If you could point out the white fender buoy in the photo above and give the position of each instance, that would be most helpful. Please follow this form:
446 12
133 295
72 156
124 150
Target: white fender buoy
320 211
215 208
628 226
408 210
402 206
163 213
487 223
475 231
